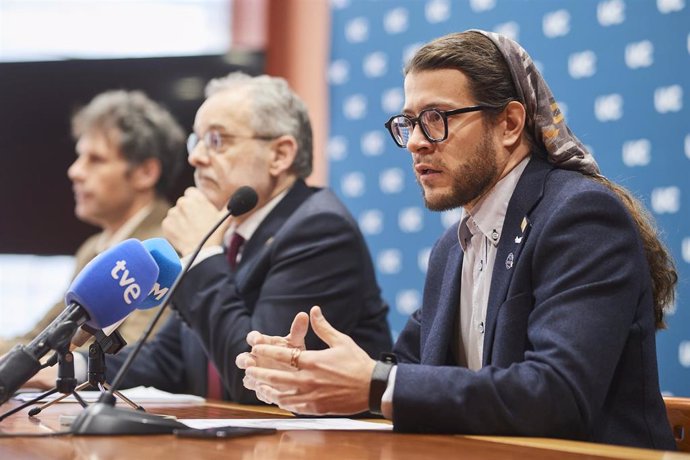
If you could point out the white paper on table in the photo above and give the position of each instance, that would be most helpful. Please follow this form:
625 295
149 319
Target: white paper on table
139 395
290 423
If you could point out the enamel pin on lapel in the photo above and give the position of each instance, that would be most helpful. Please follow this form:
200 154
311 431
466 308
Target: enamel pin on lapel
523 225
518 240
509 261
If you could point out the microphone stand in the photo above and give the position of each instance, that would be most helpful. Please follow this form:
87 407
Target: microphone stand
65 383
102 417
96 370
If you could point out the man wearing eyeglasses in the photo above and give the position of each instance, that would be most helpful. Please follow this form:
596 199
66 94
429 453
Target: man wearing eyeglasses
540 306
298 247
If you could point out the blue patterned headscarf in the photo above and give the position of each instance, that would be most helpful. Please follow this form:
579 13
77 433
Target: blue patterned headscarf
550 129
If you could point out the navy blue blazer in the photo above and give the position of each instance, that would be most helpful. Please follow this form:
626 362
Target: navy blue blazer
307 251
569 345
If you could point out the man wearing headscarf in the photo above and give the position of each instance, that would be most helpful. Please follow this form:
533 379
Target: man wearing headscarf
540 306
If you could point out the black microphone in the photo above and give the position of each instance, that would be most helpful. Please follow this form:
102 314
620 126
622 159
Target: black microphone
23 361
103 418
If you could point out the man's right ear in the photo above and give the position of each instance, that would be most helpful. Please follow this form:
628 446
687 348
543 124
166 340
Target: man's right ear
146 174
515 122
284 151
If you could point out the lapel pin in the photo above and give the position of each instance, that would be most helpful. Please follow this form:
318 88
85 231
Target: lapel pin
523 224
509 261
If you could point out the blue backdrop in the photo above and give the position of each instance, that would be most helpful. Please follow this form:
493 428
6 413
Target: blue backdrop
620 72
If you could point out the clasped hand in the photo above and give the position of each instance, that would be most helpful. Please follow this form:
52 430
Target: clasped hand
334 381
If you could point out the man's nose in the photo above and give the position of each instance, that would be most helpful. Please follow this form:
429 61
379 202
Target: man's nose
199 156
75 170
417 142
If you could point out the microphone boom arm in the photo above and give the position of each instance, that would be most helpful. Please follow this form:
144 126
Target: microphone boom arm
103 418
128 362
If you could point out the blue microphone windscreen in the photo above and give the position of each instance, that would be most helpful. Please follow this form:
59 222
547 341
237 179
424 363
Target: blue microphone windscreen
169 268
114 283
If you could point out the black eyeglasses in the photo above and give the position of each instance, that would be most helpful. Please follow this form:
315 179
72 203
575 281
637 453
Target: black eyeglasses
434 123
214 140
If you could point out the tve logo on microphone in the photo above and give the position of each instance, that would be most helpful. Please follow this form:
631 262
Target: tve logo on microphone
132 290
113 283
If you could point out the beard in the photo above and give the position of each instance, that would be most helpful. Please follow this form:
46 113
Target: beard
470 180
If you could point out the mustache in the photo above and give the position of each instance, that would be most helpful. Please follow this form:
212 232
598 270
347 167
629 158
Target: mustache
429 160
203 177
435 164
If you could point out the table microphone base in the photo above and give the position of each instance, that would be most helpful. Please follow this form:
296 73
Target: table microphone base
104 419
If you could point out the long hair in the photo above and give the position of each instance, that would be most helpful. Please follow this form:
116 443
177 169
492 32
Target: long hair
491 83
661 266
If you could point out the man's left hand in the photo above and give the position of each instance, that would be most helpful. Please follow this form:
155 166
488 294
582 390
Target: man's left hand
190 219
334 381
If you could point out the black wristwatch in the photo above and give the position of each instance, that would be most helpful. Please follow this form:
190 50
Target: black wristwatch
379 381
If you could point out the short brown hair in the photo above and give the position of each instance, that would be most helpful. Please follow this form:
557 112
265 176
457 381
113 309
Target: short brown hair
139 127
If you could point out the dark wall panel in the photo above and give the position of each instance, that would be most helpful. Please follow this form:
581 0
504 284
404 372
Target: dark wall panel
37 100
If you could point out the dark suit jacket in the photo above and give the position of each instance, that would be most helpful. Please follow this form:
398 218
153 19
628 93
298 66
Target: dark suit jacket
569 347
307 251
